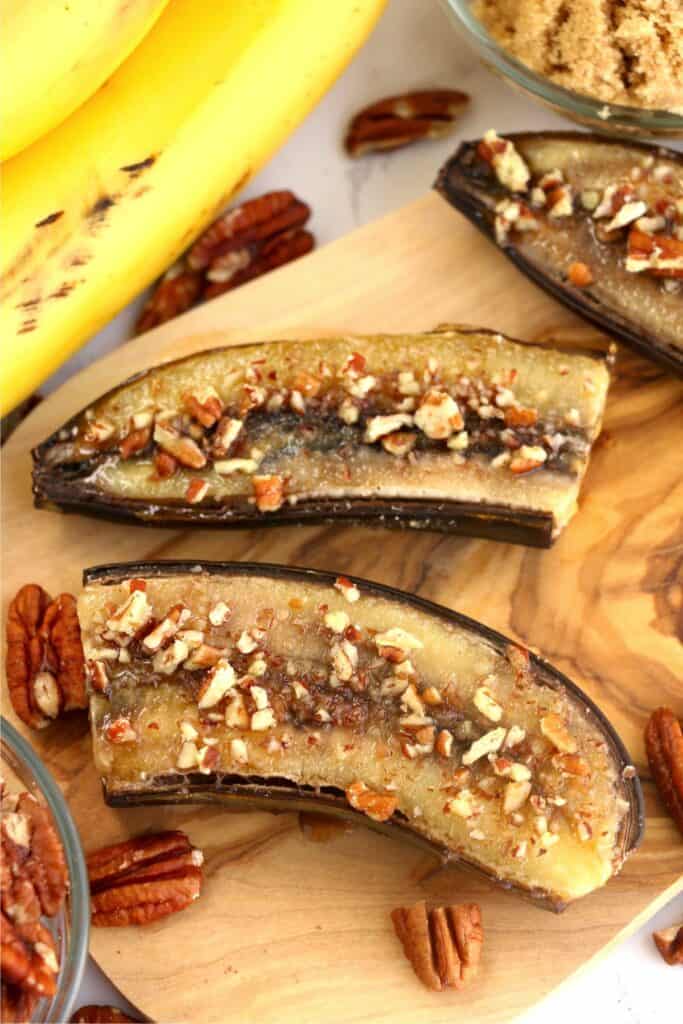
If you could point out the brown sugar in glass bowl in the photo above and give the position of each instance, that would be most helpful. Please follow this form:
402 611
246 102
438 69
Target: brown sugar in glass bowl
634 86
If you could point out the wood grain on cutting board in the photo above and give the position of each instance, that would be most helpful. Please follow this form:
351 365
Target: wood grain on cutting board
289 929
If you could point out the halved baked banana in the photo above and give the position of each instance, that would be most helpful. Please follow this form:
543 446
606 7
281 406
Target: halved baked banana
458 429
257 685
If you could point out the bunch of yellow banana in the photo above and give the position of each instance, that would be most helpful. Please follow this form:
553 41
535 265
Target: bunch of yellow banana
97 208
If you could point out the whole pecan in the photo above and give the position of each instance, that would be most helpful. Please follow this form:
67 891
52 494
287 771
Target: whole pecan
399 120
101 1015
664 746
443 945
44 665
143 879
243 243
669 942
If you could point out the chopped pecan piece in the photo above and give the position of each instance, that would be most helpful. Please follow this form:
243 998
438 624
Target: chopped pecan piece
143 879
664 746
399 120
443 945
669 942
45 664
579 274
92 1014
135 441
269 492
378 806
658 255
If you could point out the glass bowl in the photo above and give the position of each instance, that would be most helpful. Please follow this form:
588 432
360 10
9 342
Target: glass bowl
22 767
609 118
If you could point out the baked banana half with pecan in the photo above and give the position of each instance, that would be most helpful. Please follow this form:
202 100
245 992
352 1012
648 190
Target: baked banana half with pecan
261 686
460 430
596 222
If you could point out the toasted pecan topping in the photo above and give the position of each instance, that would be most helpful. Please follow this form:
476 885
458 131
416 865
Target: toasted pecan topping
378 806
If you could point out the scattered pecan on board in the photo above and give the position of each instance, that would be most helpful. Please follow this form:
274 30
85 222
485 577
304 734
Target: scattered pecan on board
399 120
669 942
443 945
33 884
44 664
246 242
92 1014
664 746
143 879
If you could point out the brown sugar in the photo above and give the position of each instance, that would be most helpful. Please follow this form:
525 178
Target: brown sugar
619 51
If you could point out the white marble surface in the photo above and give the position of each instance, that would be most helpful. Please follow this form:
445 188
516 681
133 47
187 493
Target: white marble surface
414 47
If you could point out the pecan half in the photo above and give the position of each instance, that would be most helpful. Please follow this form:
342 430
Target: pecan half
664 746
443 945
143 879
101 1015
274 252
669 942
177 290
45 664
247 241
45 866
399 120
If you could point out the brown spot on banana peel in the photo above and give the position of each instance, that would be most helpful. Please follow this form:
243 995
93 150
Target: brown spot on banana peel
100 207
50 219
136 169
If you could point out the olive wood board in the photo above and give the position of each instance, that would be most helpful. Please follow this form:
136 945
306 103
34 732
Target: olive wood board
290 928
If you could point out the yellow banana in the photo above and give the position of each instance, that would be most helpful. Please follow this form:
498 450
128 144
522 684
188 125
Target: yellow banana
98 208
56 54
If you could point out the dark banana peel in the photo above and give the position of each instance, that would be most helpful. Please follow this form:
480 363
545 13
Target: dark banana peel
288 689
641 309
458 429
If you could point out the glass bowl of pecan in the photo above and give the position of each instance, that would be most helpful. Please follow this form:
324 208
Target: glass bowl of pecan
613 93
44 890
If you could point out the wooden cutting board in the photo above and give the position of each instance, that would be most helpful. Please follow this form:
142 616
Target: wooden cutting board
290 929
